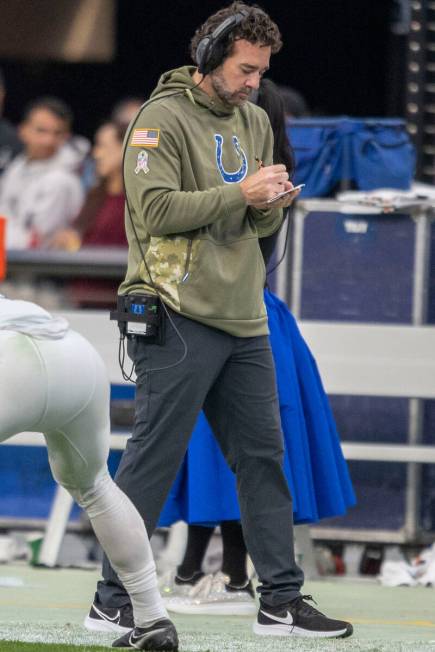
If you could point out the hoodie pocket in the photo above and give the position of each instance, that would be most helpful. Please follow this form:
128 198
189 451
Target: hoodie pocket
225 281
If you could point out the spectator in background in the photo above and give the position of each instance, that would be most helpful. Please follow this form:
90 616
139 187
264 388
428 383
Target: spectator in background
74 154
100 222
295 105
10 145
122 114
38 195
126 109
101 219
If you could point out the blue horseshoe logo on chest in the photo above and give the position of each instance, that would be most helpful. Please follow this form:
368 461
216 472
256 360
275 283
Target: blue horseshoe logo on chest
238 175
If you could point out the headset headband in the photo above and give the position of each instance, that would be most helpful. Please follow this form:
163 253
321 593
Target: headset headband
211 48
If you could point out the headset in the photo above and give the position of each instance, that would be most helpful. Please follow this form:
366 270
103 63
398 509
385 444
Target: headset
210 51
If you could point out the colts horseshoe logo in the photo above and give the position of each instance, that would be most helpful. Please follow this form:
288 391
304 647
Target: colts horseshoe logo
238 175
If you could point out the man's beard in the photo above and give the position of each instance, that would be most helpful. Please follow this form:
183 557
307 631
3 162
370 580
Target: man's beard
230 98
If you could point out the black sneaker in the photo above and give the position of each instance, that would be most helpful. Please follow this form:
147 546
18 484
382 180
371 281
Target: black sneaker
106 619
161 635
298 618
188 580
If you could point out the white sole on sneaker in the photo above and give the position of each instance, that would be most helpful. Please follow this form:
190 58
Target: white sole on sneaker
288 630
212 609
94 625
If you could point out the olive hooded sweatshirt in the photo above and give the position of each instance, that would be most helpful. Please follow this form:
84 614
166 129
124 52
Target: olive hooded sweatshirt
186 155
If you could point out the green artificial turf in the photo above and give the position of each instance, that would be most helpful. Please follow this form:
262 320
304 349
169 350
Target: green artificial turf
44 612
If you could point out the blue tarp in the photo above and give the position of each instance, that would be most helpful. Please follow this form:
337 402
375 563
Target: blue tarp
362 153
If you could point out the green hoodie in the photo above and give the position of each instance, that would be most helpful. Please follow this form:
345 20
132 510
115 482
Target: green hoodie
185 158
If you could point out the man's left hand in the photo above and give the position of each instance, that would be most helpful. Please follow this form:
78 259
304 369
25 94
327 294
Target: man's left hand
283 202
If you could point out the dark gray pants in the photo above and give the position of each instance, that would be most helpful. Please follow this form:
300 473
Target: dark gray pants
233 380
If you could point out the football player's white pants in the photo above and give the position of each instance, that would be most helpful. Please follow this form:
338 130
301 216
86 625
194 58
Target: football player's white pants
60 388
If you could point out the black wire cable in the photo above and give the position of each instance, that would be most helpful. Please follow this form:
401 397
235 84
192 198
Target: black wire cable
287 217
121 358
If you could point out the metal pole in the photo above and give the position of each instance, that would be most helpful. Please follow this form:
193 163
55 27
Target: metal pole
56 526
283 270
416 406
298 253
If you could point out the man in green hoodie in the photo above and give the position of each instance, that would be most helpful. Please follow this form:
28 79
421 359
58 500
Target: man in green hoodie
199 179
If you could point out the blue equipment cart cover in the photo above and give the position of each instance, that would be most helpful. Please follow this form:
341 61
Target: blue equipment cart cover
361 153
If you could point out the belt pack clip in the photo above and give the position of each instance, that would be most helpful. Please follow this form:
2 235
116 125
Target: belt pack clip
140 315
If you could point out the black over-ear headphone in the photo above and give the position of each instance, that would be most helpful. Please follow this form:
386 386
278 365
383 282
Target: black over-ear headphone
210 51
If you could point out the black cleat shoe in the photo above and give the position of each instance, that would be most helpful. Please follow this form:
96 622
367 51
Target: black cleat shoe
298 618
161 635
106 619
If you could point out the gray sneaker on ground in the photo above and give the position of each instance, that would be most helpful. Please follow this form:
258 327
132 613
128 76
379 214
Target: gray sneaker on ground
212 595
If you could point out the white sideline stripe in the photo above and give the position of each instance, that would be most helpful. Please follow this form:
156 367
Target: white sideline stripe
351 450
118 441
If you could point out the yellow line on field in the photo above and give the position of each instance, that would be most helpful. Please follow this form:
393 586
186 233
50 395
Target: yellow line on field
22 605
356 621
406 623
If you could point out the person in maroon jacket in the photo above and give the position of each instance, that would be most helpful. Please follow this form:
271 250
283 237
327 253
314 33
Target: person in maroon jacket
101 220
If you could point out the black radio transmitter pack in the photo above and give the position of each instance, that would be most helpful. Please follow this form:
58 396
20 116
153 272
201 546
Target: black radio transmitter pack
140 315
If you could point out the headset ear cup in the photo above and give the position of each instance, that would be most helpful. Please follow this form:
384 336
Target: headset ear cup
216 55
202 55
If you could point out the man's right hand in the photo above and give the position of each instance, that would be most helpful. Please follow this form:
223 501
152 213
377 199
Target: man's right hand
265 184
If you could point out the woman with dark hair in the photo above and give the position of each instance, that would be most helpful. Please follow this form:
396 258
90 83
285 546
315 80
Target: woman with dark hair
100 222
101 219
269 99
204 494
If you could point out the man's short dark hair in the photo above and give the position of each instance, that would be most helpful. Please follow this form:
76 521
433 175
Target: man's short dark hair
58 107
257 28
2 80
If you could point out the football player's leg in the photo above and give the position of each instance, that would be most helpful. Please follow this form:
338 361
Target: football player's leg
78 453
22 384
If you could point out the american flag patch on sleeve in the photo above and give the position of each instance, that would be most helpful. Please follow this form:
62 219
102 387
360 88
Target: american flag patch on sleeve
145 138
